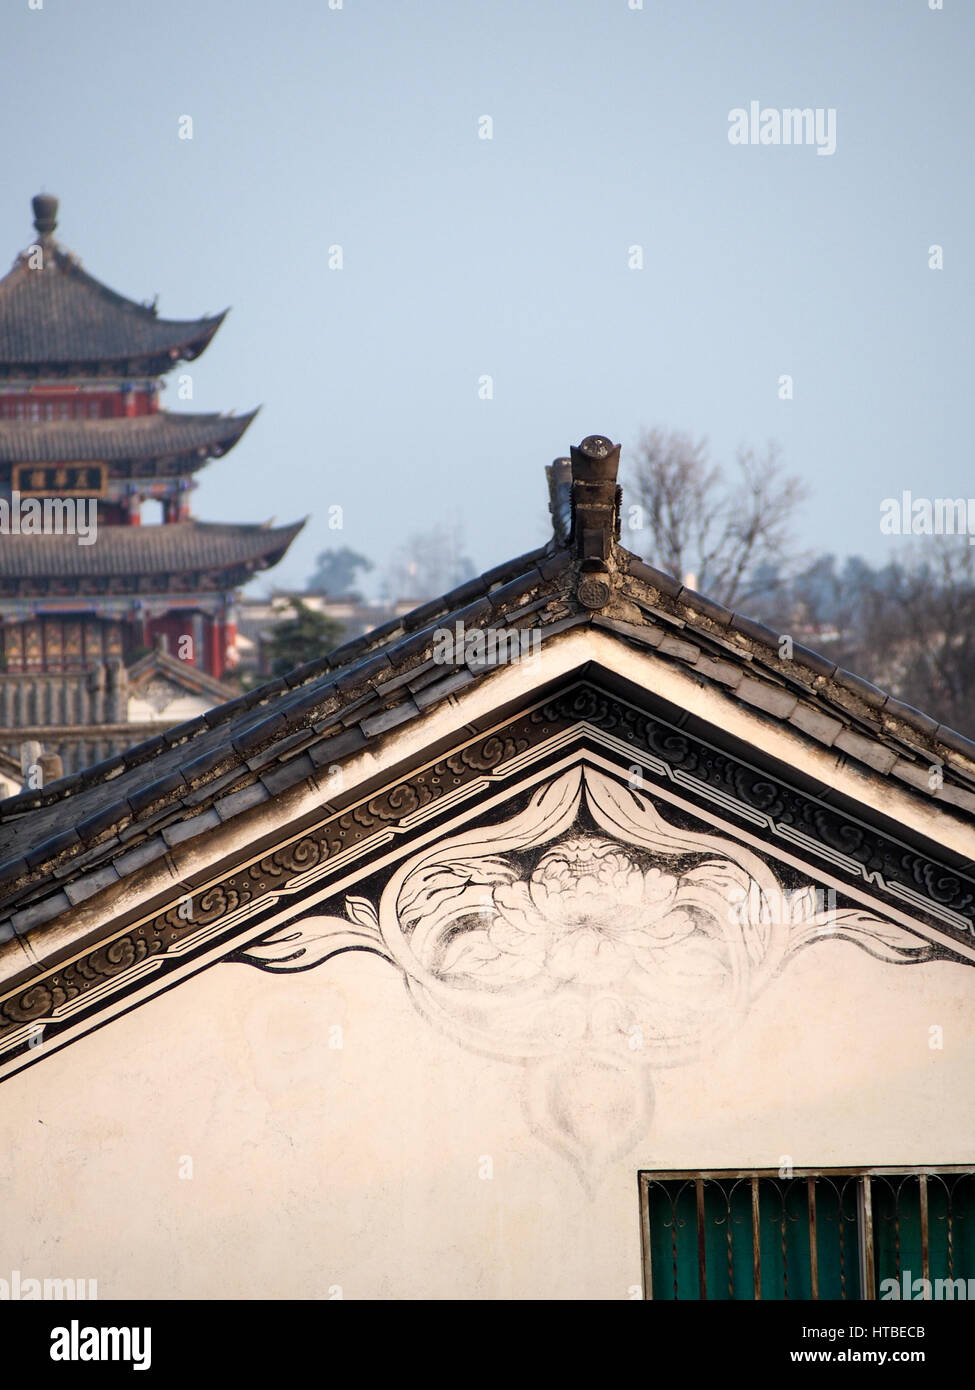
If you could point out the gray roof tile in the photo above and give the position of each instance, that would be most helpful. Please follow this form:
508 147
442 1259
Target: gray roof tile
195 825
439 690
330 751
822 727
865 750
914 717
92 883
683 651
665 583
279 778
698 603
40 912
758 632
957 742
229 806
389 719
772 699
140 855
713 668
812 660
870 694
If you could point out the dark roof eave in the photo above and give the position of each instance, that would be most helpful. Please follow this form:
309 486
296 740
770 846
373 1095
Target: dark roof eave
146 437
156 362
178 548
194 346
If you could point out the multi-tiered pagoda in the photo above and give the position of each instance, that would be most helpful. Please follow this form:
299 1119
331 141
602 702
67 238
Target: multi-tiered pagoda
103 640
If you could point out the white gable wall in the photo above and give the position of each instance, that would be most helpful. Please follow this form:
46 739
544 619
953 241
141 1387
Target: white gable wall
317 1167
403 1164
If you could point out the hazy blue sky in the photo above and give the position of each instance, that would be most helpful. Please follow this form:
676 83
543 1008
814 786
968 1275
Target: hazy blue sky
462 257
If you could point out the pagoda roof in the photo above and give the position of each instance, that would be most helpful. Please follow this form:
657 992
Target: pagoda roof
160 435
59 316
136 551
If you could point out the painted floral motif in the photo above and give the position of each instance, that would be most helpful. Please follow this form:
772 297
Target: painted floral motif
588 915
589 939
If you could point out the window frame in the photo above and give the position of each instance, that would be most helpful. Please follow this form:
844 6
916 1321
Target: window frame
865 1225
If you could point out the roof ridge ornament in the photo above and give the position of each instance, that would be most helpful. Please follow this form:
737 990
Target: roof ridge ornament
595 500
45 207
559 474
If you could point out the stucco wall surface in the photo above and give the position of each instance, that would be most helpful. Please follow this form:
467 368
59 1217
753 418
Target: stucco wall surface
313 1135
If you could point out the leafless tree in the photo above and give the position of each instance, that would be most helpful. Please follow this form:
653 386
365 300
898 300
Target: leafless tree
907 626
692 520
914 631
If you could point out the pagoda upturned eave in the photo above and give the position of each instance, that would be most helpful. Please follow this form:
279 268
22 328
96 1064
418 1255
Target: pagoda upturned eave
29 564
162 434
55 317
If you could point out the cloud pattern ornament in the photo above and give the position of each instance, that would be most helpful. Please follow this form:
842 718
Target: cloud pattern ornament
589 940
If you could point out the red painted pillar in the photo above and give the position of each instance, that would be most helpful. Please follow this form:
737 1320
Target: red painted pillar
230 642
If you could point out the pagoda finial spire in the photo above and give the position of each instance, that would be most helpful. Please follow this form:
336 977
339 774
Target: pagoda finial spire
45 207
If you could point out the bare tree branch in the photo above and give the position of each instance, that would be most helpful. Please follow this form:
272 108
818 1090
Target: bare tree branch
696 522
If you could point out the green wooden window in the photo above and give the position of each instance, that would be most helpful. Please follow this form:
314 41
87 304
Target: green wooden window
823 1234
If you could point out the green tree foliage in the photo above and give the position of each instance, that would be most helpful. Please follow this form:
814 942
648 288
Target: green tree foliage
336 571
303 637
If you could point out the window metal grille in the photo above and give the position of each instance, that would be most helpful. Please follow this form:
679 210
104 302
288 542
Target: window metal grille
839 1233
